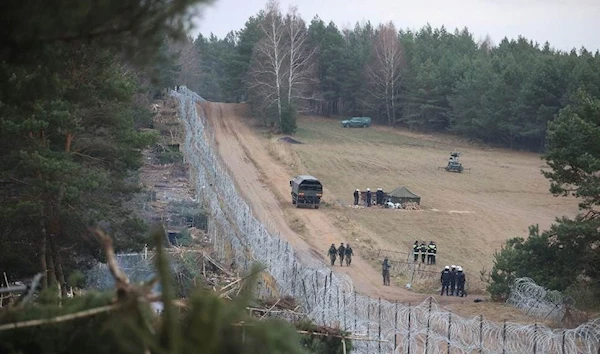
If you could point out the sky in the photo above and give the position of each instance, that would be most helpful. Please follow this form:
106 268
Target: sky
566 24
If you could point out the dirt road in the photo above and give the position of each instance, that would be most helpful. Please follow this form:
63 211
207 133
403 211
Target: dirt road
263 182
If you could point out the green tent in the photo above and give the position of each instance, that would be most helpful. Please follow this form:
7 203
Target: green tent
402 195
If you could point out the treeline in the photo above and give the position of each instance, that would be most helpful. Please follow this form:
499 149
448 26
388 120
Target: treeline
431 79
76 83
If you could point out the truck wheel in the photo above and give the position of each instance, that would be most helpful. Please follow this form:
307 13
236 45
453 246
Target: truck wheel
345 125
364 125
316 207
293 201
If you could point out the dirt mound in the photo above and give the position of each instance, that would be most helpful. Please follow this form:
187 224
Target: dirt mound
289 140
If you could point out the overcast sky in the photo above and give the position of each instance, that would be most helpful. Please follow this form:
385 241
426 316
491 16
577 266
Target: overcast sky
564 23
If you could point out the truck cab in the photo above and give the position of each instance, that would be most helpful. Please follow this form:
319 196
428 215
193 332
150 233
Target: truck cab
306 190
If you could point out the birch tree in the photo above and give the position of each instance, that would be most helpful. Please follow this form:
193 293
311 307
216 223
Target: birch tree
301 74
385 71
267 71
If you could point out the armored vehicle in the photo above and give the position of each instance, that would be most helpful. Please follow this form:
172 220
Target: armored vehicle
306 190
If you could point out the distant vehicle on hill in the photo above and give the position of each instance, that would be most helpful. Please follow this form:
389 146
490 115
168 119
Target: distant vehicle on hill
306 190
362 122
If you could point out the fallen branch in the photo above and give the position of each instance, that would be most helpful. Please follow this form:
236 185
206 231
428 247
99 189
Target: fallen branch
58 319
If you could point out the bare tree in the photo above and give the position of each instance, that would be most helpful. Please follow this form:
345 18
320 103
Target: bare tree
267 72
385 70
301 74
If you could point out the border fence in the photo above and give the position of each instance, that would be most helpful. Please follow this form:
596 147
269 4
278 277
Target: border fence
329 299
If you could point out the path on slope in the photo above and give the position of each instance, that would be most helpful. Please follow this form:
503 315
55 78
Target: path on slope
255 173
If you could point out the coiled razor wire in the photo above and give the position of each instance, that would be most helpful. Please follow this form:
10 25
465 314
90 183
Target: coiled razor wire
535 300
329 299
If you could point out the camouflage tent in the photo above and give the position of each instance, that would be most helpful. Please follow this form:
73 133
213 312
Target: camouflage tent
403 195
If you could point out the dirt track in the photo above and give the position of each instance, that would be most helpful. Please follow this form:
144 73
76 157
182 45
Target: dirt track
261 181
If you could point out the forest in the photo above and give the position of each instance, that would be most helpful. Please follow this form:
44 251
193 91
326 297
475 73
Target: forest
431 79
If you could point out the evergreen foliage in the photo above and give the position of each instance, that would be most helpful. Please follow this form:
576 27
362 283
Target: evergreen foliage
566 257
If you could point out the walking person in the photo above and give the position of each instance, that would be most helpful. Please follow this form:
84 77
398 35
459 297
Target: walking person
416 251
332 254
385 271
341 252
423 249
349 254
356 195
453 280
460 282
445 280
368 197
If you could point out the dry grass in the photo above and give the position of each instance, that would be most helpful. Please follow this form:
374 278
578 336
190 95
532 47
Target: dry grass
469 215
284 154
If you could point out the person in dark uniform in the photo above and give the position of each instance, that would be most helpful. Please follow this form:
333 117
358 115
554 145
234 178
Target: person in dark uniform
341 252
445 280
379 196
356 195
416 251
349 254
430 249
423 249
434 252
385 271
368 197
332 254
460 282
453 280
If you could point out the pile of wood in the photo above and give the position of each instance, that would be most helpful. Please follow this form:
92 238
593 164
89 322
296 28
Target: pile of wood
411 206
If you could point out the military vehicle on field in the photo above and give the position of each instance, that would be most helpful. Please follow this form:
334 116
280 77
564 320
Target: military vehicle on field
356 122
453 164
306 190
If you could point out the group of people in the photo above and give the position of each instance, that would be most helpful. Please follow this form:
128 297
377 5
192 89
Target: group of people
344 252
379 197
453 281
428 252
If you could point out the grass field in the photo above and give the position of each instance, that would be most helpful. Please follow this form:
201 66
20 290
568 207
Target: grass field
469 215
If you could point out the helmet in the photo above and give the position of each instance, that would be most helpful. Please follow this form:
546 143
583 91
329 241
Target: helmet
453 266
460 269
368 189
446 267
357 189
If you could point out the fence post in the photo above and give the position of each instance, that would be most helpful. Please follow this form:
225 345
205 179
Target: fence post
355 311
409 317
337 293
368 324
449 329
480 333
428 325
379 328
535 338
395 325
344 296
504 338
324 295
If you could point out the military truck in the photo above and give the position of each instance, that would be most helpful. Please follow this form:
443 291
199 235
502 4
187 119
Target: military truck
356 122
306 190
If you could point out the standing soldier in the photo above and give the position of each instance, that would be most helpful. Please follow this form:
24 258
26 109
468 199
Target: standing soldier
430 255
445 280
356 195
341 253
385 271
416 251
453 280
332 254
434 252
368 197
423 249
349 254
460 282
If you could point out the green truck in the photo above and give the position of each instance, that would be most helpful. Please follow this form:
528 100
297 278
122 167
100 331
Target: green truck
362 122
306 190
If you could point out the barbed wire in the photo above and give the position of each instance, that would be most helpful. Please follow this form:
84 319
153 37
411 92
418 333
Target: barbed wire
535 300
329 299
